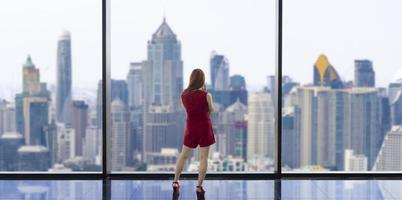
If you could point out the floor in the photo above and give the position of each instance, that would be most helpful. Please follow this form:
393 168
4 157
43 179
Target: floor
220 190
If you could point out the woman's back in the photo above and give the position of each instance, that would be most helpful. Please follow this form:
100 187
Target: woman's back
195 103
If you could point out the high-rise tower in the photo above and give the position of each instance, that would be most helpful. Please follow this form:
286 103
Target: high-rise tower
219 72
63 95
325 74
364 74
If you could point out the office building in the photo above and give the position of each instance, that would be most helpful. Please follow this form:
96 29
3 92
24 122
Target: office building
66 145
354 162
396 109
79 122
364 74
120 140
33 158
119 90
260 126
219 66
237 82
36 119
64 78
10 142
135 85
390 155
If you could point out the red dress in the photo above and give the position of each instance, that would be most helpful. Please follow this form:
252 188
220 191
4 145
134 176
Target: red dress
199 129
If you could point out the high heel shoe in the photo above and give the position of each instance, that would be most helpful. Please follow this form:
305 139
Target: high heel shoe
200 193
176 187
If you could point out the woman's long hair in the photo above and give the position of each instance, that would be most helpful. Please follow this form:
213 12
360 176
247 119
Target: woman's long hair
197 80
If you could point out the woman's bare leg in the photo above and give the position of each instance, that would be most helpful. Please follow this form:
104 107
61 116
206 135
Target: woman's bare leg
202 170
185 153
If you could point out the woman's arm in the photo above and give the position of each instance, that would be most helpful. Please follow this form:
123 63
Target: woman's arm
210 103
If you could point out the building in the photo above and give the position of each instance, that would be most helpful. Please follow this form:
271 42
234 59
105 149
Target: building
362 122
34 95
325 74
10 142
161 130
99 103
219 65
393 89
120 140
235 129
316 113
36 119
228 97
92 147
390 155
135 85
165 160
79 122
7 117
119 90
65 142
237 82
290 138
260 126
64 78
163 70
396 109
364 74
33 158
354 162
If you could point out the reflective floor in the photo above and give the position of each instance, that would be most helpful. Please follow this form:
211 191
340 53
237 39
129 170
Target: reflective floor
219 190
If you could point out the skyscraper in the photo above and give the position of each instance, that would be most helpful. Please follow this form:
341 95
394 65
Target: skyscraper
79 122
36 112
362 122
219 71
234 128
99 103
390 155
163 70
134 85
325 74
260 126
237 82
120 134
163 83
64 76
119 90
32 87
364 74
393 89
396 109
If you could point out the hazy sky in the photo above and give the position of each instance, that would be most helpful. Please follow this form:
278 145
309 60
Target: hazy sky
33 27
244 31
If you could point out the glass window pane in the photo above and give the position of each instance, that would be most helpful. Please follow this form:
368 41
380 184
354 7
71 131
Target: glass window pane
341 86
156 45
51 66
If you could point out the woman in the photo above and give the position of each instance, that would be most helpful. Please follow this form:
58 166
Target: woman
198 105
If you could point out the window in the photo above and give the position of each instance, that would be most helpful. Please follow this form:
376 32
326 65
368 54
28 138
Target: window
341 86
48 105
155 46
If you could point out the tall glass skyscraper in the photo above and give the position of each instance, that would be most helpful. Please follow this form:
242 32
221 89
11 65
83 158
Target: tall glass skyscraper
63 95
219 72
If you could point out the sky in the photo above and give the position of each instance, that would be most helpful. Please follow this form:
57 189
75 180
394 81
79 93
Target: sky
243 31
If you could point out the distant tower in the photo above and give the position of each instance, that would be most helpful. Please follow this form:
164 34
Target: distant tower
219 72
79 122
120 131
64 76
163 70
260 126
119 91
134 85
237 82
364 74
389 157
325 74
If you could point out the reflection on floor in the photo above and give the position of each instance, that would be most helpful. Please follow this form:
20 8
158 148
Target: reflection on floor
220 190
46 190
162 190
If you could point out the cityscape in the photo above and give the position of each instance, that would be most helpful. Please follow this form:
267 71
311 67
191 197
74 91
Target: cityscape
329 124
